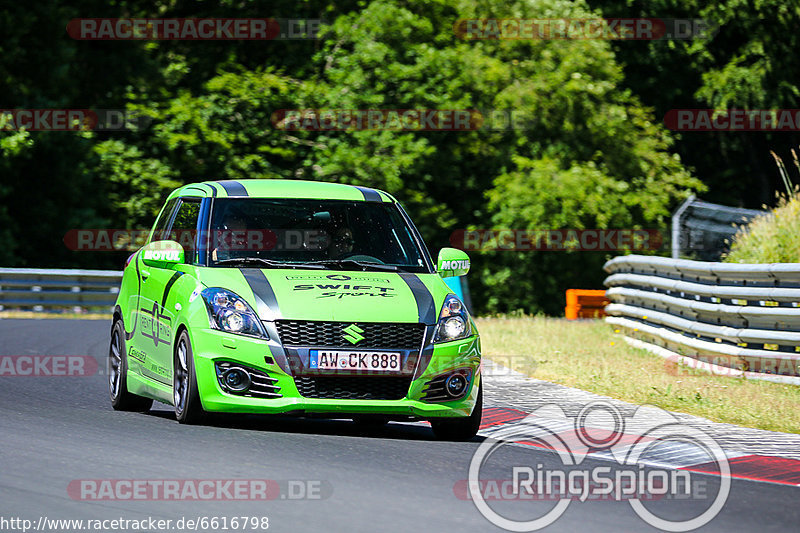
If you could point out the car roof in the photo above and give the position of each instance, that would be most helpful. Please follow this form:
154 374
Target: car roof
279 188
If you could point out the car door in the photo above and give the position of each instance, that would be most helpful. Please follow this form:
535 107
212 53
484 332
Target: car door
140 347
157 309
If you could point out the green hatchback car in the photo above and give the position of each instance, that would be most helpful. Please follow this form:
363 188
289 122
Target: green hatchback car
298 298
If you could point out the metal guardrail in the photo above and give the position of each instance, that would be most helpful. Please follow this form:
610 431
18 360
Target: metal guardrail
739 318
703 229
53 289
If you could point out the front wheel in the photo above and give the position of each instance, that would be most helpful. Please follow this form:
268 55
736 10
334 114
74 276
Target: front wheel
121 399
460 429
188 409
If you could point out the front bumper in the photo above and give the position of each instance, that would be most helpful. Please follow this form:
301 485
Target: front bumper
211 346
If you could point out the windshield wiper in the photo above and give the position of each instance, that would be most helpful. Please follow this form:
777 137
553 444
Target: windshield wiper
268 263
364 265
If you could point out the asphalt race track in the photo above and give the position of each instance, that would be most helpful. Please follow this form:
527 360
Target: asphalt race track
56 430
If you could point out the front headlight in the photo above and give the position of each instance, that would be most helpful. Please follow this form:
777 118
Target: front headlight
453 321
227 311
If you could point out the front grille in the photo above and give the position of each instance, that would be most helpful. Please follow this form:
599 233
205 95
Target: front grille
376 334
353 387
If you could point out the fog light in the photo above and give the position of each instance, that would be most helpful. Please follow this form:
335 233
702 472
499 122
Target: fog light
236 379
456 385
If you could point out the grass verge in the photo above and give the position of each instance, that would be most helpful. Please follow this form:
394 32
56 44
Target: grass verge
589 355
770 238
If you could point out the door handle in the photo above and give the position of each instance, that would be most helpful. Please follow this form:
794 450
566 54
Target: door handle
145 274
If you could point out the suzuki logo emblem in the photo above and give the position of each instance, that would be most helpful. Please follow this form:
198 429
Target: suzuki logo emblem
353 334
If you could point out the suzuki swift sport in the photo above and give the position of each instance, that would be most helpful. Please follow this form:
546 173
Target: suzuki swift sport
294 297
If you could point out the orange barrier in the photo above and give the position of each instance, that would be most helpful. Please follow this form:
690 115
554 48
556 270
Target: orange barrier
583 303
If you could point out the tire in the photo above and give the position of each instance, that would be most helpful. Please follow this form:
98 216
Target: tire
188 409
121 399
460 429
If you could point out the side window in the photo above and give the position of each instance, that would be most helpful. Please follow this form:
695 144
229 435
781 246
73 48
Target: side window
184 228
160 227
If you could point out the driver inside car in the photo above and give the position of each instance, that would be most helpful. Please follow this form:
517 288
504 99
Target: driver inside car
342 243
231 237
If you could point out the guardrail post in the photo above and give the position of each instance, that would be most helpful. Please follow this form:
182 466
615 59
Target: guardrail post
676 226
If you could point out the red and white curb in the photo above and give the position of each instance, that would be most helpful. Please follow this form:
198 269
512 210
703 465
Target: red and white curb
497 422
504 421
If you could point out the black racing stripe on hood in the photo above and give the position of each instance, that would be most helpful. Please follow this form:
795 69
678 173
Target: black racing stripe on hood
233 188
425 304
263 292
370 195
168 287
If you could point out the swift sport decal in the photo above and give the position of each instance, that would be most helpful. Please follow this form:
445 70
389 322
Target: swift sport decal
340 290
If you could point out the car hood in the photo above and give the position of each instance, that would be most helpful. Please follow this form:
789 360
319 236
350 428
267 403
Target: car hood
330 295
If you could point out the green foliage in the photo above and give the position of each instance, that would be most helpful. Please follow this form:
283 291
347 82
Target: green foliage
589 154
749 62
770 238
136 184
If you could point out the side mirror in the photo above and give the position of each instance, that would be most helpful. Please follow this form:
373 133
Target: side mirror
452 262
163 254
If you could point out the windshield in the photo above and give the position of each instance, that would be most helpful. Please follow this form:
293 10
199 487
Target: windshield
292 233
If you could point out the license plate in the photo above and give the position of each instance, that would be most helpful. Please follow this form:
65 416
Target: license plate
343 360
